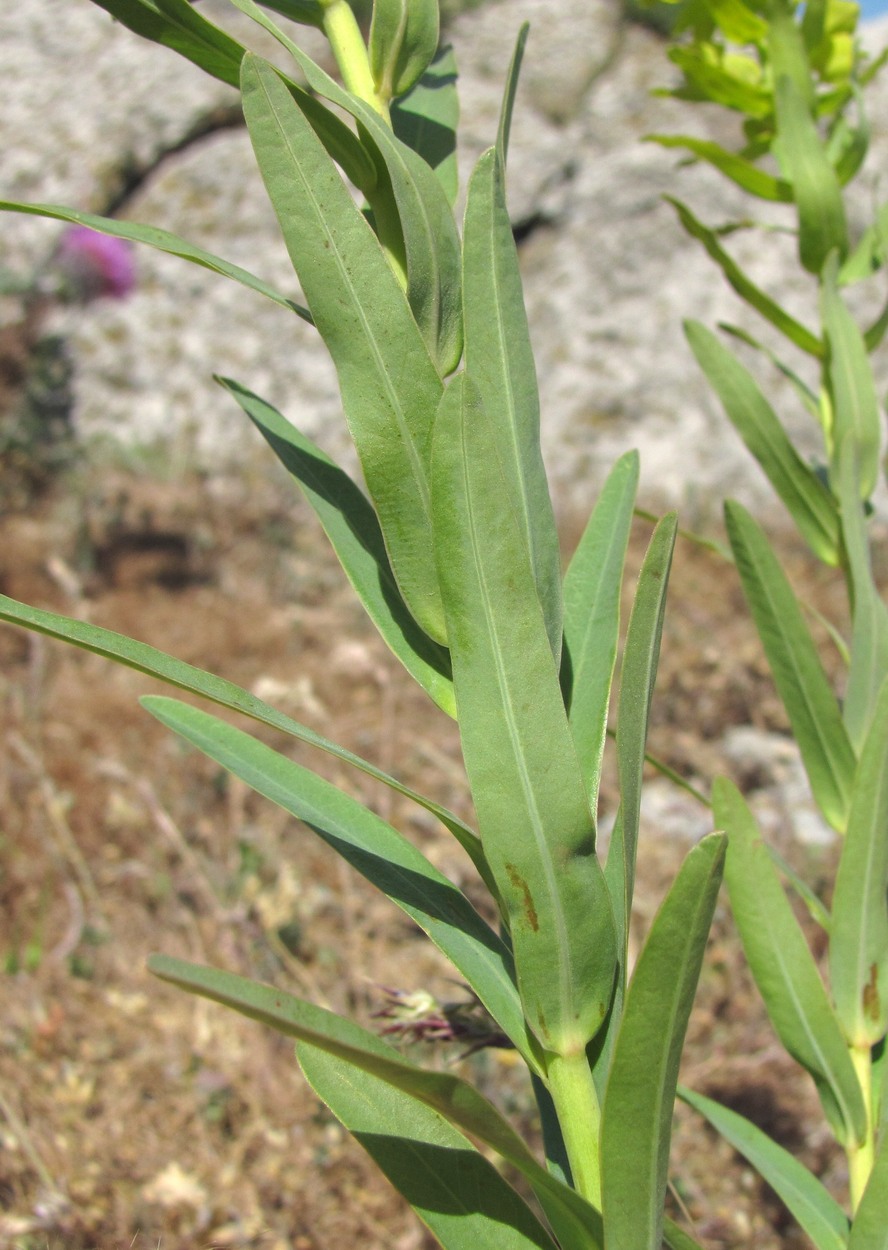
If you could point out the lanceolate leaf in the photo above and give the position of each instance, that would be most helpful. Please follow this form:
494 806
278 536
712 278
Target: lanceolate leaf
576 1224
798 673
638 1106
403 40
869 639
450 1185
592 588
816 187
146 659
853 391
744 286
784 968
163 241
740 171
858 946
410 209
509 93
816 1211
188 32
353 529
809 502
390 387
638 674
500 362
372 846
536 827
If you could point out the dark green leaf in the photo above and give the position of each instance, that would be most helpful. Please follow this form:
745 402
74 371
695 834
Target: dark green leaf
855 408
426 120
353 529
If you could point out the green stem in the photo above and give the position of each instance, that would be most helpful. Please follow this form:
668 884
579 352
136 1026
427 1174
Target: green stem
862 1157
345 38
579 1114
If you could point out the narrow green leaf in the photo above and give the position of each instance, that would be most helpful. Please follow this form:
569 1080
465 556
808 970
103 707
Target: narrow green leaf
745 288
677 1239
740 171
814 906
852 387
403 40
798 673
163 241
858 946
816 188
716 84
390 387
536 827
808 501
808 397
784 968
870 253
577 1225
370 845
410 208
353 529
592 588
813 1207
427 117
511 88
454 1190
870 1228
185 30
869 639
638 674
638 1106
146 659
499 359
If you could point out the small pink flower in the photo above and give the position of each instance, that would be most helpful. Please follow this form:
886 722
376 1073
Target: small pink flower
94 265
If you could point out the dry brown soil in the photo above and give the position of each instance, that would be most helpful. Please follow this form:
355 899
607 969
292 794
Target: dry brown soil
134 1116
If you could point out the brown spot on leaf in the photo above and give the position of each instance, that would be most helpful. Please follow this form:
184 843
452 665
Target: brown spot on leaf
530 912
871 995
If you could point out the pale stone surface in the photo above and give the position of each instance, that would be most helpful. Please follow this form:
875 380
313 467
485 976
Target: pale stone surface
609 275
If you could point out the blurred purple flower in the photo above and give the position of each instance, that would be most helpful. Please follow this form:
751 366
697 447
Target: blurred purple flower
93 265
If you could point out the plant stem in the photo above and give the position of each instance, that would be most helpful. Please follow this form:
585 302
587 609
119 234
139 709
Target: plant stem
862 1157
344 35
579 1114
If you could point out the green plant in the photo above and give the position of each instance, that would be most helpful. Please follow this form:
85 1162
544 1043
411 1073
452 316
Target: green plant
796 77
455 557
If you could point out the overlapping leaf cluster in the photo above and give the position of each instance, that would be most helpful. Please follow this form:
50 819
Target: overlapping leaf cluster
796 76
453 551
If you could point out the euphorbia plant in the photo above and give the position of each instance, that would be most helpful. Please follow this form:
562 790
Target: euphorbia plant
454 553
796 76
